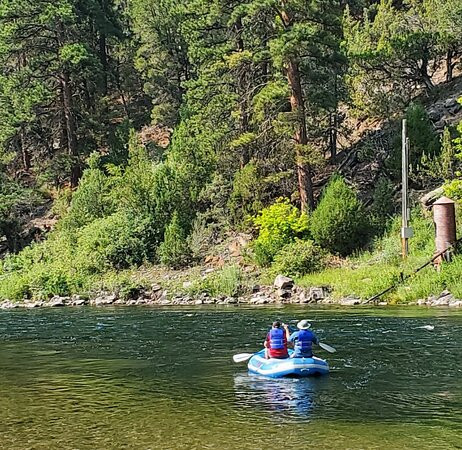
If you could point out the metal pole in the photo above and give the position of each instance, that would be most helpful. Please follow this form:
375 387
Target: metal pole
404 176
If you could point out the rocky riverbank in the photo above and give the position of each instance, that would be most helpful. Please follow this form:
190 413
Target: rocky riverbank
283 291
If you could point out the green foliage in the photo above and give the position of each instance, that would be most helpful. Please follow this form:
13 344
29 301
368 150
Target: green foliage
92 200
116 241
234 86
447 157
245 199
227 281
278 225
422 137
15 202
453 189
390 50
425 146
375 270
383 205
299 258
174 250
339 222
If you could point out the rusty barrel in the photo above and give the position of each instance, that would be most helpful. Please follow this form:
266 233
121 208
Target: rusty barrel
444 216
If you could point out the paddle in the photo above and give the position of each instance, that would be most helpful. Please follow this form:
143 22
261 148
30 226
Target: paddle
241 357
327 348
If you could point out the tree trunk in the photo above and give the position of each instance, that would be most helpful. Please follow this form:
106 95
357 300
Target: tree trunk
449 65
103 59
243 105
103 50
297 103
71 129
304 175
426 78
26 158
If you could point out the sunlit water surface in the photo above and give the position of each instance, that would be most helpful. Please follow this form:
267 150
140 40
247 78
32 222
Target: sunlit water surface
164 379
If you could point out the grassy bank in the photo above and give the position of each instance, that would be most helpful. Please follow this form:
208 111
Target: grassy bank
363 275
373 271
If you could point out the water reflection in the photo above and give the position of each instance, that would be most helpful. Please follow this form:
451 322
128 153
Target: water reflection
293 397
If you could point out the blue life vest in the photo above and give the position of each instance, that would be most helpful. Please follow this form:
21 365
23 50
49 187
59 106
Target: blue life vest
304 340
276 339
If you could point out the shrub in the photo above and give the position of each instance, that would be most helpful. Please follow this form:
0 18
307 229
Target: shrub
174 250
279 225
339 222
16 202
91 200
299 258
116 241
226 281
246 196
202 238
424 143
422 136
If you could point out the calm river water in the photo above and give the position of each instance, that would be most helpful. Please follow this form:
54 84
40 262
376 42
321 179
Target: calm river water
164 379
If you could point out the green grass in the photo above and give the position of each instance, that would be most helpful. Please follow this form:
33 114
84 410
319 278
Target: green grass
373 271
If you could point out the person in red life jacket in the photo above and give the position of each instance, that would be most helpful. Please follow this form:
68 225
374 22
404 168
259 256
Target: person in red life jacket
276 341
303 340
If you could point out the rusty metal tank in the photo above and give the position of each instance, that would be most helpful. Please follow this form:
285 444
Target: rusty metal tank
444 216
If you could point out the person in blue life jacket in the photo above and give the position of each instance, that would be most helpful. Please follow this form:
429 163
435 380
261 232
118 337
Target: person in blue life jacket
303 340
276 341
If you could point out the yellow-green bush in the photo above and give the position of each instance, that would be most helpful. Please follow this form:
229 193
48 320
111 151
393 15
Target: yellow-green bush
278 225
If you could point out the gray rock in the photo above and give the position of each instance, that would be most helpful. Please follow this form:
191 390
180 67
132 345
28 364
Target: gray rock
350 301
199 302
433 114
327 301
255 288
231 301
56 302
104 300
262 301
141 301
450 102
121 302
421 302
33 304
79 302
283 282
284 293
187 284
443 301
209 301
7 304
303 297
455 303
162 297
317 293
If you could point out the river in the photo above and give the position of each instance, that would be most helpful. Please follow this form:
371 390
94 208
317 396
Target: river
135 378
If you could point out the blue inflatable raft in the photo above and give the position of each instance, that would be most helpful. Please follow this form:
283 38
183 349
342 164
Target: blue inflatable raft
289 367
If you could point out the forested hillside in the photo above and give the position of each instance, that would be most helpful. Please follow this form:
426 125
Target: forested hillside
154 131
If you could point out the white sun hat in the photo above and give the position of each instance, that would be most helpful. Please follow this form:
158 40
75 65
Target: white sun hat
303 325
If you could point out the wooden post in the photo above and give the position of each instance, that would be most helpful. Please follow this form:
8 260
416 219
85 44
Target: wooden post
406 232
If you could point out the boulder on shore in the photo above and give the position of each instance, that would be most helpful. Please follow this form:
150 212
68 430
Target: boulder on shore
283 282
